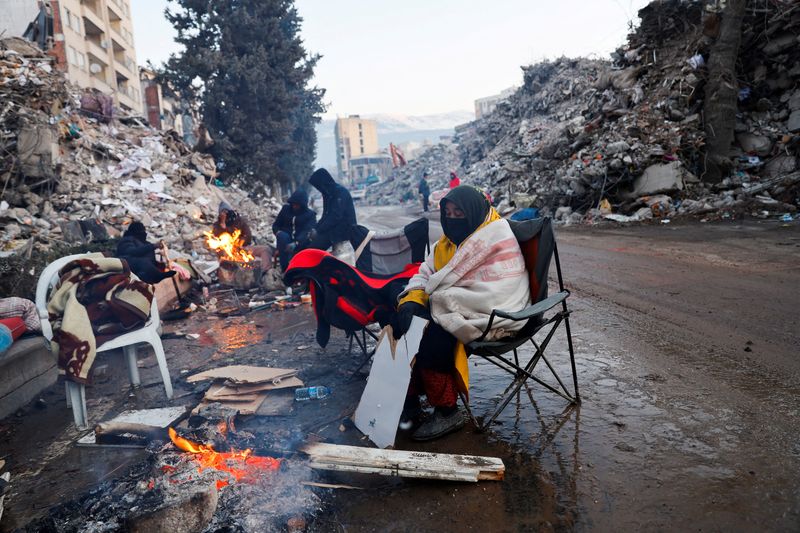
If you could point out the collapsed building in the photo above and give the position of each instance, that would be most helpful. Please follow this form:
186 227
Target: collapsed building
72 171
624 139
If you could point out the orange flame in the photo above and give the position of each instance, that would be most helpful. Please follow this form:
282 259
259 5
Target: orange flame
230 245
241 465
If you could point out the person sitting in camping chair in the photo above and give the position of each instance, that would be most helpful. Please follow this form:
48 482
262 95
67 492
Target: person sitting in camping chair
475 267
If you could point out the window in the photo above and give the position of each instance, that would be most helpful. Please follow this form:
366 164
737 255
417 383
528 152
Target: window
72 21
81 60
72 56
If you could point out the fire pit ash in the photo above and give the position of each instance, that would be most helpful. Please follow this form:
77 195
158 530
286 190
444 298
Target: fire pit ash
188 486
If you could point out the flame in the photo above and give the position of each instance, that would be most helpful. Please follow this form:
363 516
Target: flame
241 465
230 245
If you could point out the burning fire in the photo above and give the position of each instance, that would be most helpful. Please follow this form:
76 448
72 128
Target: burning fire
230 245
243 466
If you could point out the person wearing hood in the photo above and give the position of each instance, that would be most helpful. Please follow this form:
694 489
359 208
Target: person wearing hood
141 255
455 181
229 221
338 212
293 226
475 267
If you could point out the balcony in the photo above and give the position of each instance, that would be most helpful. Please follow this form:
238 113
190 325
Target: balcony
92 17
95 48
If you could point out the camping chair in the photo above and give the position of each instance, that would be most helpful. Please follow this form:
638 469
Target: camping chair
538 246
344 297
387 253
76 392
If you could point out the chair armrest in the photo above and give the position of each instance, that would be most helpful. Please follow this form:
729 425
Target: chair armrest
533 310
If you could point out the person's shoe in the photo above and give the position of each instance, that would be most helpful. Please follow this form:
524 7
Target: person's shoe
439 425
409 418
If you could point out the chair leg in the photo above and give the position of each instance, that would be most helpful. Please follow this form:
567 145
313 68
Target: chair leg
76 394
161 357
133 369
572 360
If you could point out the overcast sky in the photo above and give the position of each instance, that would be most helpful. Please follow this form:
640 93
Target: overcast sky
418 57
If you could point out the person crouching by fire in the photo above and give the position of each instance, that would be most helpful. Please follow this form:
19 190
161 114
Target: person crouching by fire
229 221
141 255
293 226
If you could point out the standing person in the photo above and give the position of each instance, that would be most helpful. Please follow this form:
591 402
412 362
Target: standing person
424 191
475 267
338 212
293 225
141 255
454 180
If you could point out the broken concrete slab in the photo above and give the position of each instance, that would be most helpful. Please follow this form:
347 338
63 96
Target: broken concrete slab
661 178
754 144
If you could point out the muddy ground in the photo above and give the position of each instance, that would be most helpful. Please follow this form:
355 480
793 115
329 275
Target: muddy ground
687 351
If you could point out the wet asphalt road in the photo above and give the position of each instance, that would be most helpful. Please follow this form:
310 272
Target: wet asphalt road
687 353
687 340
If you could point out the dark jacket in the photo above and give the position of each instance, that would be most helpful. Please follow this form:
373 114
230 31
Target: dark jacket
297 225
234 222
424 189
131 247
338 211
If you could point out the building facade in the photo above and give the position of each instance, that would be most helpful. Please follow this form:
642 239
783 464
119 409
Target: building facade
367 166
92 41
355 137
484 106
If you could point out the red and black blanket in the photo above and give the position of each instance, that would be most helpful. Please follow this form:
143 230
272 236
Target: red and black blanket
343 296
96 299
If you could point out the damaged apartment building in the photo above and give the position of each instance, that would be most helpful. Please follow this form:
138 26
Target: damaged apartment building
92 42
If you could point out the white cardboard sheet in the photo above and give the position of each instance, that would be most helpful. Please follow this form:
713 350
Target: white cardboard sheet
381 404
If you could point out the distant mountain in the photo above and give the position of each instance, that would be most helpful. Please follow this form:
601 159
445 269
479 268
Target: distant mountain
393 128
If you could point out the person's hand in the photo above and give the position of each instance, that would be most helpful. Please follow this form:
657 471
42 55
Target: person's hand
402 319
312 235
291 247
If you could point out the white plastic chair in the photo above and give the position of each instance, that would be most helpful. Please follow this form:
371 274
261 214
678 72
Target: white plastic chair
76 392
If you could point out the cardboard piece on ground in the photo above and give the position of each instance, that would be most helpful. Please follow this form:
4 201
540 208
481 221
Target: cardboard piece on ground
235 390
378 412
213 395
404 464
160 418
244 374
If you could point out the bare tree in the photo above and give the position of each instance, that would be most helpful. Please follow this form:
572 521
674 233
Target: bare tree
721 91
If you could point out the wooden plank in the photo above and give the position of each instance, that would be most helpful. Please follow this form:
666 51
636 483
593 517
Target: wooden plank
404 463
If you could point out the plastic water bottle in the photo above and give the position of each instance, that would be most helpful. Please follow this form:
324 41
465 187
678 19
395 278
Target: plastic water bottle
5 338
311 393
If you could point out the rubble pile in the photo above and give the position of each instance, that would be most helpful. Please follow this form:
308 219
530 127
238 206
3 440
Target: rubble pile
438 161
62 165
623 139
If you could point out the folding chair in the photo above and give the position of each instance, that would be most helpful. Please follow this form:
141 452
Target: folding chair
538 246
344 297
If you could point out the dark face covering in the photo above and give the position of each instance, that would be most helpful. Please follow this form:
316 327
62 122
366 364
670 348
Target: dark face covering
475 207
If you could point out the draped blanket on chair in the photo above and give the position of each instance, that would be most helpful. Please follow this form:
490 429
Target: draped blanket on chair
343 296
96 299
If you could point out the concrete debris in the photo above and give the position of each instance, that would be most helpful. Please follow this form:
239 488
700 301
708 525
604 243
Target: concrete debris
582 131
66 169
438 161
